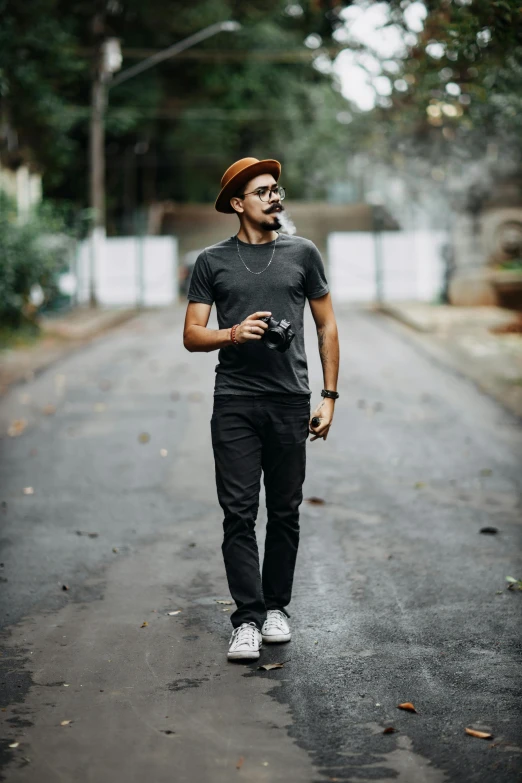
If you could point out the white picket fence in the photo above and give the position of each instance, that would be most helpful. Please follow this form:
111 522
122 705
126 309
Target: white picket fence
129 270
412 266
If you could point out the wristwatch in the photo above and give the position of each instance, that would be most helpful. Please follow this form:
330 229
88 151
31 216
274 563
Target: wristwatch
327 393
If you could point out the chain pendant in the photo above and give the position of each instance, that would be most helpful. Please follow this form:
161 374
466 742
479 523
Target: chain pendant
266 267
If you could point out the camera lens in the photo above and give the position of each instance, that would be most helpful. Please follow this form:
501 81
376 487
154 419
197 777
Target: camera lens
274 338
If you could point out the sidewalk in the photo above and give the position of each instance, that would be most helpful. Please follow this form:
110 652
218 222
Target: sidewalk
483 343
59 336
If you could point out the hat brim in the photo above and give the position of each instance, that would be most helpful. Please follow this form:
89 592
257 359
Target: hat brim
272 167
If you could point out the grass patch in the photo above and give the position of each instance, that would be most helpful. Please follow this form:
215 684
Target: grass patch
23 337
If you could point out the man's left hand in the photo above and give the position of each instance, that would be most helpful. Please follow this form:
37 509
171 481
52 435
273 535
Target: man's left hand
324 411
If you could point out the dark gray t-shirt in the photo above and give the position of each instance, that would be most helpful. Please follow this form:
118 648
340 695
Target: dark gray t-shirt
295 274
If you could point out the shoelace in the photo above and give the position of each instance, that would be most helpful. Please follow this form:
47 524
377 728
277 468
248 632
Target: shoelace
245 634
274 618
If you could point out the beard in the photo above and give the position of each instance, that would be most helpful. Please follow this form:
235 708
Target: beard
272 224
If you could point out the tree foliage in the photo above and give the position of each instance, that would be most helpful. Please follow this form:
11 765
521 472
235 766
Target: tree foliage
32 254
460 87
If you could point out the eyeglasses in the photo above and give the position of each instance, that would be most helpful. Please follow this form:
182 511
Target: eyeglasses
265 194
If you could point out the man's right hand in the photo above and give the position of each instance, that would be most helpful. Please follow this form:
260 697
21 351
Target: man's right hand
251 328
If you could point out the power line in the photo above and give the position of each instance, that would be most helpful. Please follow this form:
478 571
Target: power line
223 55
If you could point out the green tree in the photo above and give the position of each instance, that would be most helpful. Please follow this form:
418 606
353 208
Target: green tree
170 131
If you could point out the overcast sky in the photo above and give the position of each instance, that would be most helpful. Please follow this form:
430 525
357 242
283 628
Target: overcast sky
361 73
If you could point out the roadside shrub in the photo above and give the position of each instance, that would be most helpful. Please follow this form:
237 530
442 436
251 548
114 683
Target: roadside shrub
27 259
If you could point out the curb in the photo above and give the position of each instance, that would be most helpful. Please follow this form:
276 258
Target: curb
404 318
39 358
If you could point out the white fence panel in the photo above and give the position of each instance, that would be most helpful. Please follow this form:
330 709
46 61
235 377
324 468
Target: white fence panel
117 274
412 266
160 281
350 266
129 271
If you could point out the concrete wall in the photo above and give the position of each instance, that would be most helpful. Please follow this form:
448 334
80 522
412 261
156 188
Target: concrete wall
199 225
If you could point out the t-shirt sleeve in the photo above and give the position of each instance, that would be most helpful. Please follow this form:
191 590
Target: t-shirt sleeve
316 282
201 288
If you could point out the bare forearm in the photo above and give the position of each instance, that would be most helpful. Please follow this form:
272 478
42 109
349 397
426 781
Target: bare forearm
328 340
199 338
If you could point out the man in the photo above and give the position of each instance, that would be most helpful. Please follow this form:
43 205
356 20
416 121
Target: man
261 417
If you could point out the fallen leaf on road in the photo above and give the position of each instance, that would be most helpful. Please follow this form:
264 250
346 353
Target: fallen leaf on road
164 452
226 609
226 603
115 550
144 624
65 587
268 666
28 491
389 730
49 410
144 437
514 584
171 614
14 744
489 530
16 428
479 734
407 705
315 501
240 762
419 485
65 722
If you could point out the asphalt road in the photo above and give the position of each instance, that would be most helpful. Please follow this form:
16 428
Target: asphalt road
398 596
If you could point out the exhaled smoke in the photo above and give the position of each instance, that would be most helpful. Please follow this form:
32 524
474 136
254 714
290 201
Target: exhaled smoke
287 226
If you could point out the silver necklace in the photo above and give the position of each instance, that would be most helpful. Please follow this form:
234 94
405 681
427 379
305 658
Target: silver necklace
266 267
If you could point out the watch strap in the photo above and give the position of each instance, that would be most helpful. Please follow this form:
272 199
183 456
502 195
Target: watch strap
331 394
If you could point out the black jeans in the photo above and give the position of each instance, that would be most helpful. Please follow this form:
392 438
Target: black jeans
251 434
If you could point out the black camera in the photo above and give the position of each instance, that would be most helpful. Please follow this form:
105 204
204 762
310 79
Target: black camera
278 335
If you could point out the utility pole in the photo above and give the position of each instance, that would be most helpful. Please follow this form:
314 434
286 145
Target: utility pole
97 175
107 61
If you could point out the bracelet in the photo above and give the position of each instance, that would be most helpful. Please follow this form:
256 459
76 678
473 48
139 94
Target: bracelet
233 334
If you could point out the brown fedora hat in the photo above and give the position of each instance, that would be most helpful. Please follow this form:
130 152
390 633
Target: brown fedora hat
240 172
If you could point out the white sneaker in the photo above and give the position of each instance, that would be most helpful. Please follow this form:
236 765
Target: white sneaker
276 628
245 643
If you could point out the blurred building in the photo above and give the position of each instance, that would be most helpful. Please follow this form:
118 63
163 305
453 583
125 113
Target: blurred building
22 185
487 245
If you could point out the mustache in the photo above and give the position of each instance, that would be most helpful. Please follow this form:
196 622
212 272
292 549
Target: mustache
275 208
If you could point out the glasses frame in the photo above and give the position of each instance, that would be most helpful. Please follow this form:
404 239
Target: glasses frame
256 192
